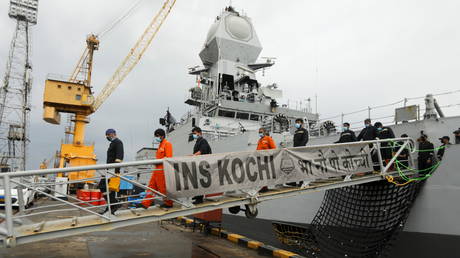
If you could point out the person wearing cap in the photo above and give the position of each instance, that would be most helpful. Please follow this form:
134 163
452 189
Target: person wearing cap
445 141
426 155
201 147
115 154
457 136
157 181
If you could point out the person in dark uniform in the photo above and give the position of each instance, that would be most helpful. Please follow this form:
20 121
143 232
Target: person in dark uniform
403 156
445 141
346 135
426 155
368 133
301 134
457 136
115 154
300 140
383 133
201 148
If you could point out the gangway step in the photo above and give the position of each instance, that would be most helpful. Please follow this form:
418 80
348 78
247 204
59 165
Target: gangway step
32 232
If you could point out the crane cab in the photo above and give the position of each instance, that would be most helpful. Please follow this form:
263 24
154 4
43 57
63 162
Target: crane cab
67 97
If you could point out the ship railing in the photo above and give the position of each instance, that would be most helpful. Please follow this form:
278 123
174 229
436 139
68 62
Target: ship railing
78 209
332 124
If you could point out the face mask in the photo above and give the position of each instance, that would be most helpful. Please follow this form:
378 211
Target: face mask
195 136
109 138
157 140
345 129
297 125
261 135
367 125
379 129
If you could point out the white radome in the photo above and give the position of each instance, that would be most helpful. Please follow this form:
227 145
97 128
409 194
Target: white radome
238 27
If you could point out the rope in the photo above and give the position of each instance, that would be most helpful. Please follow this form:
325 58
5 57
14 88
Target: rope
119 20
408 180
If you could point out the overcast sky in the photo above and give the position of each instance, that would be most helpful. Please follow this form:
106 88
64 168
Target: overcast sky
351 53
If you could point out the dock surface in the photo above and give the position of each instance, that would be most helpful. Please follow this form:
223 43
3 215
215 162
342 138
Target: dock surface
159 239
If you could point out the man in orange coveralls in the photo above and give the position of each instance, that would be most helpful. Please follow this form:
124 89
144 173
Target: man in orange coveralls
265 143
157 181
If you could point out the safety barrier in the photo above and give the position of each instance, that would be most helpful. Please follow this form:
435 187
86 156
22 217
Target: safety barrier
375 113
64 214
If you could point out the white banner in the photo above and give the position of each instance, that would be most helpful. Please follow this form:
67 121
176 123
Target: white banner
216 173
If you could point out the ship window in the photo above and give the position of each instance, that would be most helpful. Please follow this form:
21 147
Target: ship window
226 113
254 117
77 97
244 116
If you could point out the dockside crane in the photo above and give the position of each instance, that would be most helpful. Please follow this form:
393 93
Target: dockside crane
74 95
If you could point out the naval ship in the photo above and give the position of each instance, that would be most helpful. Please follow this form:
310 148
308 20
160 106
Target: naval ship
229 104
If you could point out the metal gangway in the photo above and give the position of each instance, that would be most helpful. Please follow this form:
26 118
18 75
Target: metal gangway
67 215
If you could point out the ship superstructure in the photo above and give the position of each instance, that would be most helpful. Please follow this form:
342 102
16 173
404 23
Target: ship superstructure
228 99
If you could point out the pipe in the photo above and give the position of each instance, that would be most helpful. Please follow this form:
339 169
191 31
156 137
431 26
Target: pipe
438 109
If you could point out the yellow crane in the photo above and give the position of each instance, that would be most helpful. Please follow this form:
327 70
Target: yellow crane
75 96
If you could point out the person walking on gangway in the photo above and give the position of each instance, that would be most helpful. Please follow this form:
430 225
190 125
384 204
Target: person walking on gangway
425 155
300 140
265 142
369 132
301 134
157 180
346 135
383 133
403 157
115 154
201 147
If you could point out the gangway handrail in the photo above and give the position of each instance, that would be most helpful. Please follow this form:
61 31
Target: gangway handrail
95 221
160 161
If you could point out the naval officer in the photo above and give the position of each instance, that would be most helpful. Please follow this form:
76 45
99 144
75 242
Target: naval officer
201 147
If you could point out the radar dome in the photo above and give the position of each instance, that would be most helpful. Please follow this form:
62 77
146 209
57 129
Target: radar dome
238 27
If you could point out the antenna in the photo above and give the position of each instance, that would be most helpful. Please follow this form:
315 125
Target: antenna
316 103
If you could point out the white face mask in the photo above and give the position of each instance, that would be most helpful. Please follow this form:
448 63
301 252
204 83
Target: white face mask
261 135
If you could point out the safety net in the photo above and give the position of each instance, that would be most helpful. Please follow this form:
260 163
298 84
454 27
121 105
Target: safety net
360 220
354 221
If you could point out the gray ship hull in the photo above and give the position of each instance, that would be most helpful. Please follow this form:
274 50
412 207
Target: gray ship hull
436 207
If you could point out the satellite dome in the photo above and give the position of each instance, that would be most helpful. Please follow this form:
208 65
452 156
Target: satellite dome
238 27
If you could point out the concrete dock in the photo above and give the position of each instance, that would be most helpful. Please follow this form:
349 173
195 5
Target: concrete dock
163 239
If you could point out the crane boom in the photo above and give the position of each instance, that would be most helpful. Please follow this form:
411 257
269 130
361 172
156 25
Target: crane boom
135 54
